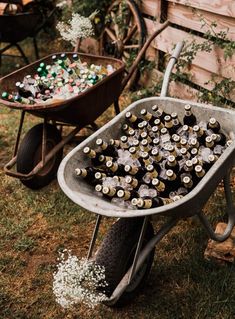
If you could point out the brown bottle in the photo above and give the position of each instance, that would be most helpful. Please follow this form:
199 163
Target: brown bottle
189 118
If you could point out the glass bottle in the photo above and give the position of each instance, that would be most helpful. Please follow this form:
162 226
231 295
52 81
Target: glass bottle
189 118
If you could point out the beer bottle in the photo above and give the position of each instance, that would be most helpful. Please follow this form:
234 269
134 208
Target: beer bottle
201 135
88 174
172 164
127 194
151 171
209 142
156 142
116 168
137 172
147 202
193 143
168 123
176 139
149 117
189 118
171 182
159 185
109 191
133 119
132 181
175 122
106 148
158 123
199 171
213 125
124 142
156 155
145 146
104 159
158 112
93 155
133 152
210 161
219 138
145 136
187 182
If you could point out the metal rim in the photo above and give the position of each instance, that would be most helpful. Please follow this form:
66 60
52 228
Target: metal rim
124 32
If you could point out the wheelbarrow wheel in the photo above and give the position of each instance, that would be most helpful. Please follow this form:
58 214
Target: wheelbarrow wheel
29 154
124 34
116 254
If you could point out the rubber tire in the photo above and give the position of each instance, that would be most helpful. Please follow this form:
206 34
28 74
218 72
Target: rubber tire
117 252
29 147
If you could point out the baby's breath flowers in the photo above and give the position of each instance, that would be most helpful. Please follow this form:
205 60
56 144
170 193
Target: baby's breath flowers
78 28
78 281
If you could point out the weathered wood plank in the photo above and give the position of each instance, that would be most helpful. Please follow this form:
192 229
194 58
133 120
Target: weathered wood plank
187 17
224 251
213 61
207 80
222 7
151 8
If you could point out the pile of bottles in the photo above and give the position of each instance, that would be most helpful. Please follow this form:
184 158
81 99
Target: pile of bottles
64 78
156 161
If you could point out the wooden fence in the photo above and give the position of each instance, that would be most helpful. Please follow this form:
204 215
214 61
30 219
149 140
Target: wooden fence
188 19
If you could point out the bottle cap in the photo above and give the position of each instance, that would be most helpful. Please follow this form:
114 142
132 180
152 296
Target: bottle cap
98 187
169 173
212 120
99 141
154 107
120 193
187 107
198 168
109 164
155 181
186 179
150 168
105 190
98 175
86 150
134 201
143 112
174 115
78 171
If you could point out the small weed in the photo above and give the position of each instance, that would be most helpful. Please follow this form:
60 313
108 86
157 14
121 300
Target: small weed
25 243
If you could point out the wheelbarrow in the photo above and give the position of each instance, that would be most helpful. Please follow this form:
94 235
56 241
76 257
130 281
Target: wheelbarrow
38 155
127 250
17 27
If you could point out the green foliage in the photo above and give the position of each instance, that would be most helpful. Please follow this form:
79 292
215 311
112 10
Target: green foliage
221 89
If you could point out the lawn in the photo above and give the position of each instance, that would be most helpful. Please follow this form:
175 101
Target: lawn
35 225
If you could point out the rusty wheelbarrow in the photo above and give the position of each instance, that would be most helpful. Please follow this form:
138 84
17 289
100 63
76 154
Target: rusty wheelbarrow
38 155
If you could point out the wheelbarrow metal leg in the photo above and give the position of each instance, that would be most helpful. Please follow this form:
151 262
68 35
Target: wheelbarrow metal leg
22 53
228 196
19 132
116 107
230 211
44 140
35 47
94 236
139 246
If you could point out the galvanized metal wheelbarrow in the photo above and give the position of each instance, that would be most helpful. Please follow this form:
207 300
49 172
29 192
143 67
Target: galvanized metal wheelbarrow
128 248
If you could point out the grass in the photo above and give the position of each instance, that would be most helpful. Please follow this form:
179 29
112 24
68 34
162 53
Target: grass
36 225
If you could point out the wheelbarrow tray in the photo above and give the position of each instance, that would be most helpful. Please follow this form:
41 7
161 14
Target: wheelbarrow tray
80 110
17 27
81 193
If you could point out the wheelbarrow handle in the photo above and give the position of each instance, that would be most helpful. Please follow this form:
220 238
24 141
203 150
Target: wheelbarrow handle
142 51
173 59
